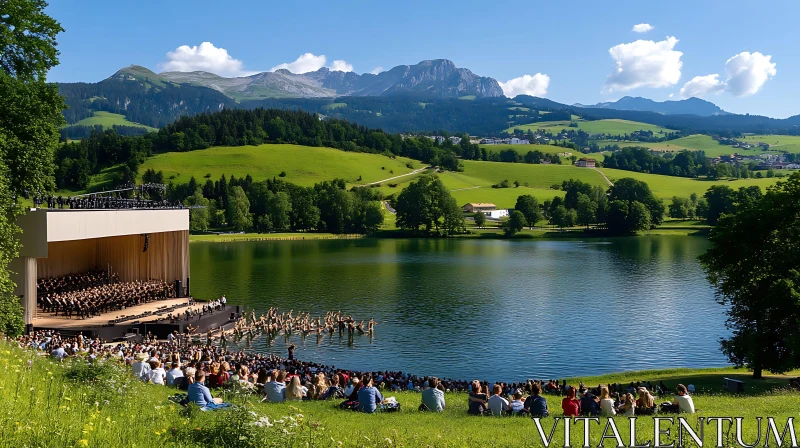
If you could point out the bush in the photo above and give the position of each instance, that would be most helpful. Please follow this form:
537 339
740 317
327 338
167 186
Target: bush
282 174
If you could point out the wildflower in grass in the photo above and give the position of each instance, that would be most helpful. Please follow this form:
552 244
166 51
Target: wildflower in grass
83 442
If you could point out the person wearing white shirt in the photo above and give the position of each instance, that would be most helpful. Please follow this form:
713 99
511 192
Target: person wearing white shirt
497 404
683 401
174 374
516 404
606 403
140 368
157 375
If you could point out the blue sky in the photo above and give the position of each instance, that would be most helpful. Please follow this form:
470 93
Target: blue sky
753 48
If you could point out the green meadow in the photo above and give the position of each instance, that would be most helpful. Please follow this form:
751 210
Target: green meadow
107 120
303 165
610 126
546 149
73 404
665 187
712 148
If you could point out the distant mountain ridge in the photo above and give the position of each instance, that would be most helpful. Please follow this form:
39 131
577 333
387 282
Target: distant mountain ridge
438 78
689 106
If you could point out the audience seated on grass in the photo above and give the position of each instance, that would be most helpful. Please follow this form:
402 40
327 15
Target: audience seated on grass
433 396
478 400
497 404
571 405
536 405
369 398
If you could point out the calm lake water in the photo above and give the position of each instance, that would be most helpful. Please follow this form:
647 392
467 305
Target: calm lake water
486 309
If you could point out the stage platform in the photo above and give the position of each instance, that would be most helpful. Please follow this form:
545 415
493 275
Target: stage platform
156 322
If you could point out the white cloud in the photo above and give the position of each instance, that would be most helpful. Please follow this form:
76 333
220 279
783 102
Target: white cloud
747 72
377 70
307 62
645 63
310 62
642 28
700 86
535 85
341 66
204 57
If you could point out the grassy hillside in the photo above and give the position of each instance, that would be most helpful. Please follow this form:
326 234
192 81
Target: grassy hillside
65 404
304 165
611 126
107 120
547 149
665 187
712 148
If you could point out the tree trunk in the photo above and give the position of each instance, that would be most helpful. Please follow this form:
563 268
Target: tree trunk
758 374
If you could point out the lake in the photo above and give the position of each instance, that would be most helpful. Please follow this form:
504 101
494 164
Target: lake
486 309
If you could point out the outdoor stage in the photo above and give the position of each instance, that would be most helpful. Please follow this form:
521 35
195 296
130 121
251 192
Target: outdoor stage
154 321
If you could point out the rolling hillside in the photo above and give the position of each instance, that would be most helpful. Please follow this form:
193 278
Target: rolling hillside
610 127
108 120
304 165
546 149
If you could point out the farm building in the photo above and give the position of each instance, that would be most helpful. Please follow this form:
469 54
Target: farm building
586 163
496 214
473 207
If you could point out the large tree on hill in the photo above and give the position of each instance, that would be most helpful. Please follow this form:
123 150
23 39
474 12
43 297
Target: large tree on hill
30 117
754 265
529 207
426 205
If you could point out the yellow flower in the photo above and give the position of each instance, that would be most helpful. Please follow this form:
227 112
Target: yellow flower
83 442
108 419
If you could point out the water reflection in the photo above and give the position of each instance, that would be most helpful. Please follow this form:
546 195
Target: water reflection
487 309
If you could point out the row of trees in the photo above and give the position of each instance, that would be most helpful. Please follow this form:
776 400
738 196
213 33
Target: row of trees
274 205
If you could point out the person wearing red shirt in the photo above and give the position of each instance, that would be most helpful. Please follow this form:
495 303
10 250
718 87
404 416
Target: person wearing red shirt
570 404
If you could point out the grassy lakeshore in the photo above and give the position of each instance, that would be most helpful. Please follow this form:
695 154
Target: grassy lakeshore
65 405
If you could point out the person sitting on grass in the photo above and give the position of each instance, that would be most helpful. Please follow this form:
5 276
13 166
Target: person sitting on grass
628 406
517 406
174 374
334 390
571 405
433 396
294 392
536 405
590 404
200 395
157 375
477 399
645 403
275 389
607 408
369 398
683 402
497 404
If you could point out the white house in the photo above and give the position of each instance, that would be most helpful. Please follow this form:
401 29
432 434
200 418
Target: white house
496 214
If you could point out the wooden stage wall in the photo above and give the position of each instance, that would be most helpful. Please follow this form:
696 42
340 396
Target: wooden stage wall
167 257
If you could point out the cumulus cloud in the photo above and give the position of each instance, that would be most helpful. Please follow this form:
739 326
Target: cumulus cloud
341 66
644 63
307 62
700 86
535 85
746 73
377 70
642 28
310 62
204 57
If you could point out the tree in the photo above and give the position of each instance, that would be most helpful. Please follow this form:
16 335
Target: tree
452 217
632 190
754 266
238 212
516 222
424 204
679 208
480 219
721 200
278 208
198 211
586 209
638 217
560 217
529 206
30 118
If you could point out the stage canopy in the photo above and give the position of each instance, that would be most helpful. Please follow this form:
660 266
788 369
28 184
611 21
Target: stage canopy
58 242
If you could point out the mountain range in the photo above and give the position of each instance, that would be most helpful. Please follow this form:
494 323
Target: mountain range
689 106
438 78
433 95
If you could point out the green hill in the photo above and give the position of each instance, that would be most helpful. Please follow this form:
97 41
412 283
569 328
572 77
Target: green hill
609 126
108 119
712 148
304 165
